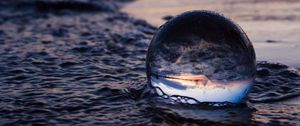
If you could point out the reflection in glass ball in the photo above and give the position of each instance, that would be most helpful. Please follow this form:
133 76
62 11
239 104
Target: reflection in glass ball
201 56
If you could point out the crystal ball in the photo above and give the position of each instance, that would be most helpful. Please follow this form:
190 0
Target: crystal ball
201 56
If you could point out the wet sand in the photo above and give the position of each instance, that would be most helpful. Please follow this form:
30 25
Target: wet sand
272 26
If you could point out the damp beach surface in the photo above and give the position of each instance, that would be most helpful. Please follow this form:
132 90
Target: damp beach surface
83 63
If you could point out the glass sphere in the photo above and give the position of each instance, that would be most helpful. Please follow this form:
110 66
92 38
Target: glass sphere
203 56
